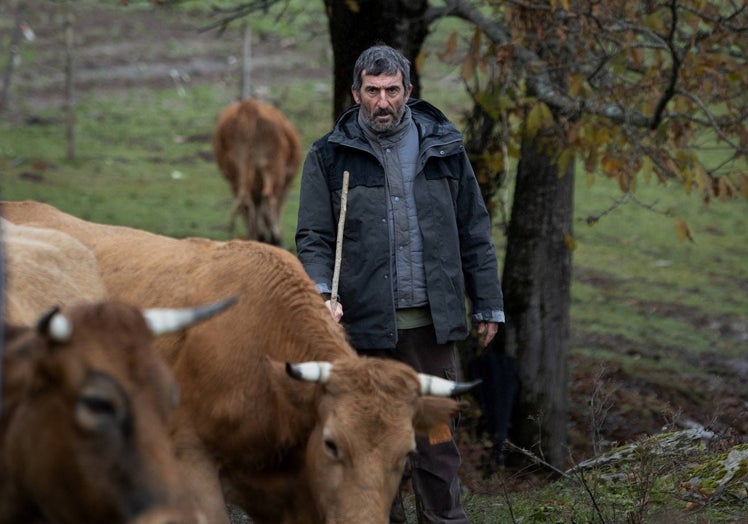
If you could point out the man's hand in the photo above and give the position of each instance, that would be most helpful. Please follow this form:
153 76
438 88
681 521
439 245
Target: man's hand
338 313
486 332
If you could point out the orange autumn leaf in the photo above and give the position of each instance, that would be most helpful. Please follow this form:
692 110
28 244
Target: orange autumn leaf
682 231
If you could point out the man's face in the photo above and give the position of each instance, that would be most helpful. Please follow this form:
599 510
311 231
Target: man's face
382 100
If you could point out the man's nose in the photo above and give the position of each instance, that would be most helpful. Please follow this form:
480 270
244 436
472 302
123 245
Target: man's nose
382 97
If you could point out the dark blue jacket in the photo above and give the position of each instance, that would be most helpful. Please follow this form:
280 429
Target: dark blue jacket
459 254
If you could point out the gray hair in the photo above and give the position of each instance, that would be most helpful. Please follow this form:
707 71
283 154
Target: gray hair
381 59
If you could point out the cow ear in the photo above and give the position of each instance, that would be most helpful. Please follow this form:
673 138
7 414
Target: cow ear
432 412
274 369
287 389
21 347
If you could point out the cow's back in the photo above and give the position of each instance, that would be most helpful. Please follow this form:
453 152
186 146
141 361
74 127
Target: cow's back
46 268
284 148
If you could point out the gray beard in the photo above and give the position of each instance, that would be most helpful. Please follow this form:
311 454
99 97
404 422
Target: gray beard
382 129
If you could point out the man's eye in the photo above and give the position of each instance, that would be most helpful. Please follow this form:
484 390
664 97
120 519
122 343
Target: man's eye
389 91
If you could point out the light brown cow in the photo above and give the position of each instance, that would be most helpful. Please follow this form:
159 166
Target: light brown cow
259 154
47 268
286 451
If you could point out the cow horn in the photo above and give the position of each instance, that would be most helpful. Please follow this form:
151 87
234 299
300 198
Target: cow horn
310 371
162 321
55 325
60 328
440 387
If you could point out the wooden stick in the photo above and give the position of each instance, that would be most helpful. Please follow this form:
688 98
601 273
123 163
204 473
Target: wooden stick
339 242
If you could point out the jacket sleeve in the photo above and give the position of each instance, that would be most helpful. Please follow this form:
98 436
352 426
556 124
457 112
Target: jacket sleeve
316 229
477 250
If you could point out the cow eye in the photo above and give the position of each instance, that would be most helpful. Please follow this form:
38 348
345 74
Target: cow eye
101 404
95 413
331 448
97 406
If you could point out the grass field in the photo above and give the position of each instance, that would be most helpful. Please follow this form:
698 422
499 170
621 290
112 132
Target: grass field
659 322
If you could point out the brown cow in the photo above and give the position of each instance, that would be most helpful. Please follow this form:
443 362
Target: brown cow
259 153
84 428
286 451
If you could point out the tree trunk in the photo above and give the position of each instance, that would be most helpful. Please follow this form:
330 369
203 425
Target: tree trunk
355 26
2 315
536 283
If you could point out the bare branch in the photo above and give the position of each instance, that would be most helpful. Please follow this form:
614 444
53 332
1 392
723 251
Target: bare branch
626 198
542 86
674 69
712 122
236 12
538 78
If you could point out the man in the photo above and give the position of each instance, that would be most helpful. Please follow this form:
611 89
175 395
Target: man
417 241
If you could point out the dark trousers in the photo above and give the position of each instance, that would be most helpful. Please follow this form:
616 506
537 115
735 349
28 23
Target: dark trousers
434 468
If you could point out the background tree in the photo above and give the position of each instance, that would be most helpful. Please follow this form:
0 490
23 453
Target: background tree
651 89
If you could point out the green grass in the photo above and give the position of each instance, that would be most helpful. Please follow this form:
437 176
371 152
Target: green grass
637 278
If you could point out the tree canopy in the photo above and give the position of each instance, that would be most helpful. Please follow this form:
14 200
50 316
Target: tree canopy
652 88
620 89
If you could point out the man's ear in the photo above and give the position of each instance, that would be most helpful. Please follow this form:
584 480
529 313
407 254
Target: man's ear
356 98
410 90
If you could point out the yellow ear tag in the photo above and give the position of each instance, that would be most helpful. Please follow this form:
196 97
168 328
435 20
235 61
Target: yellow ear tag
439 434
